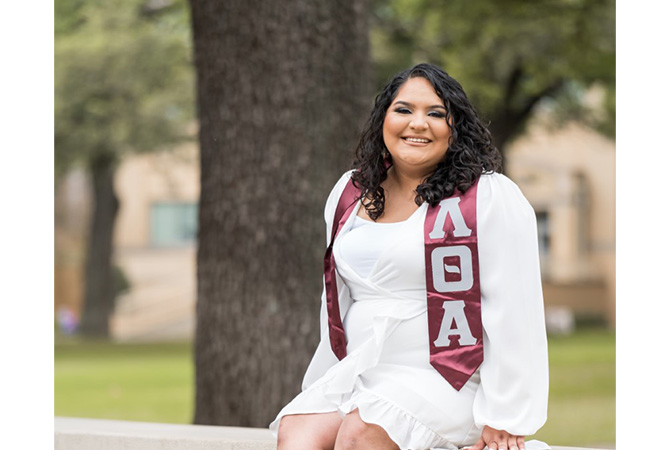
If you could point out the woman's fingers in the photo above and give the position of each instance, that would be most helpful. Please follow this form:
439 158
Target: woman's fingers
521 442
479 445
506 441
501 440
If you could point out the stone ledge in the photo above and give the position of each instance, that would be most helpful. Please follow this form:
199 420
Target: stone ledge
87 434
72 433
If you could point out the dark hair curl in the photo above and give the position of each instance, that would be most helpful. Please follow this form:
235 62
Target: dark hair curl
471 151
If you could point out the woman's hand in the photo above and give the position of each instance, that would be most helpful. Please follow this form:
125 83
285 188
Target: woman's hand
499 440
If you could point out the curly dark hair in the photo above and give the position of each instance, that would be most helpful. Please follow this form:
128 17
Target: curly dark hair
471 151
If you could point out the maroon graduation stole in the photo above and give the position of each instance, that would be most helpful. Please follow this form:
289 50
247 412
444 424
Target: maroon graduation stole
338 341
452 284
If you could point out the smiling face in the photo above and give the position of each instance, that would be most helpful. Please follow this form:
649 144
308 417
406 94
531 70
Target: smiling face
415 128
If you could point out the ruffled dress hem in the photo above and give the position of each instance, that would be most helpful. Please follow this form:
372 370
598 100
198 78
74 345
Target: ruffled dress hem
403 429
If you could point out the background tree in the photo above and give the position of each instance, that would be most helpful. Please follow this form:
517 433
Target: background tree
508 55
282 91
123 83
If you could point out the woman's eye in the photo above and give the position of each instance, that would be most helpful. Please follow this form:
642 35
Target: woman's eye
403 111
437 114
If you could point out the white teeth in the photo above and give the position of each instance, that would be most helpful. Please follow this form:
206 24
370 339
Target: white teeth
422 141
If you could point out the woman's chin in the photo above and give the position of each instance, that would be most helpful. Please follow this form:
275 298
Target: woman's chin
414 164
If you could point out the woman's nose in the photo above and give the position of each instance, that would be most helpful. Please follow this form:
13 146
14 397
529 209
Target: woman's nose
418 123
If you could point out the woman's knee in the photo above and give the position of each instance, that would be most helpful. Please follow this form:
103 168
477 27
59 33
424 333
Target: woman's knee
308 431
355 434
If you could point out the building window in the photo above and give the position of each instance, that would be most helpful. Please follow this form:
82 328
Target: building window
543 232
581 201
173 224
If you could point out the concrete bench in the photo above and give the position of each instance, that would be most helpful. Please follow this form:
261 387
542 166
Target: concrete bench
85 434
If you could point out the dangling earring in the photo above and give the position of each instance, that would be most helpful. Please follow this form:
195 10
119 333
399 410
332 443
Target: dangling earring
386 158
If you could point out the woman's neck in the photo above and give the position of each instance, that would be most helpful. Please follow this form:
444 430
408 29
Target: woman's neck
404 182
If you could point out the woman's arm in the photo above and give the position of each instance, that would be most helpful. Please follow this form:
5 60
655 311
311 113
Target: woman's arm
514 385
324 357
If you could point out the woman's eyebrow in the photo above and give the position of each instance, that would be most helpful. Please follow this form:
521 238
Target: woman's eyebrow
411 104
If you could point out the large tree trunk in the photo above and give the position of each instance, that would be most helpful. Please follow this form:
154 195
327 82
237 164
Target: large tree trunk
99 277
283 88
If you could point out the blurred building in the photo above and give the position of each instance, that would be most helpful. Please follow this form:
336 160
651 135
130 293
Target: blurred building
155 243
567 174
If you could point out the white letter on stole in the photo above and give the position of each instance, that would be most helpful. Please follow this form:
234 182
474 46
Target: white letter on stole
450 206
440 269
454 312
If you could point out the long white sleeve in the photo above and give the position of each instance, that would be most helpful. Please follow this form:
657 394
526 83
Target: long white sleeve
514 385
324 357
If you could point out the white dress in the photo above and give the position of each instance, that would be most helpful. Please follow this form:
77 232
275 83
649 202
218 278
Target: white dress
386 373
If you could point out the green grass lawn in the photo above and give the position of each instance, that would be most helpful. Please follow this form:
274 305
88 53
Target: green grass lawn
581 390
154 383
143 382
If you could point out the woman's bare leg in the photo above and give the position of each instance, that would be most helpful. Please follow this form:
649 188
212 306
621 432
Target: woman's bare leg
354 434
308 431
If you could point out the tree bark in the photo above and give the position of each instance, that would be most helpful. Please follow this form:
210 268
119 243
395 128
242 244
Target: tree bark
99 276
283 89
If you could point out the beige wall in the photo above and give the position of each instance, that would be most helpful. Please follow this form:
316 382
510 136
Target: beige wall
161 302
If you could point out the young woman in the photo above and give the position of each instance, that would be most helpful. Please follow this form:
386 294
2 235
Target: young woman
432 322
